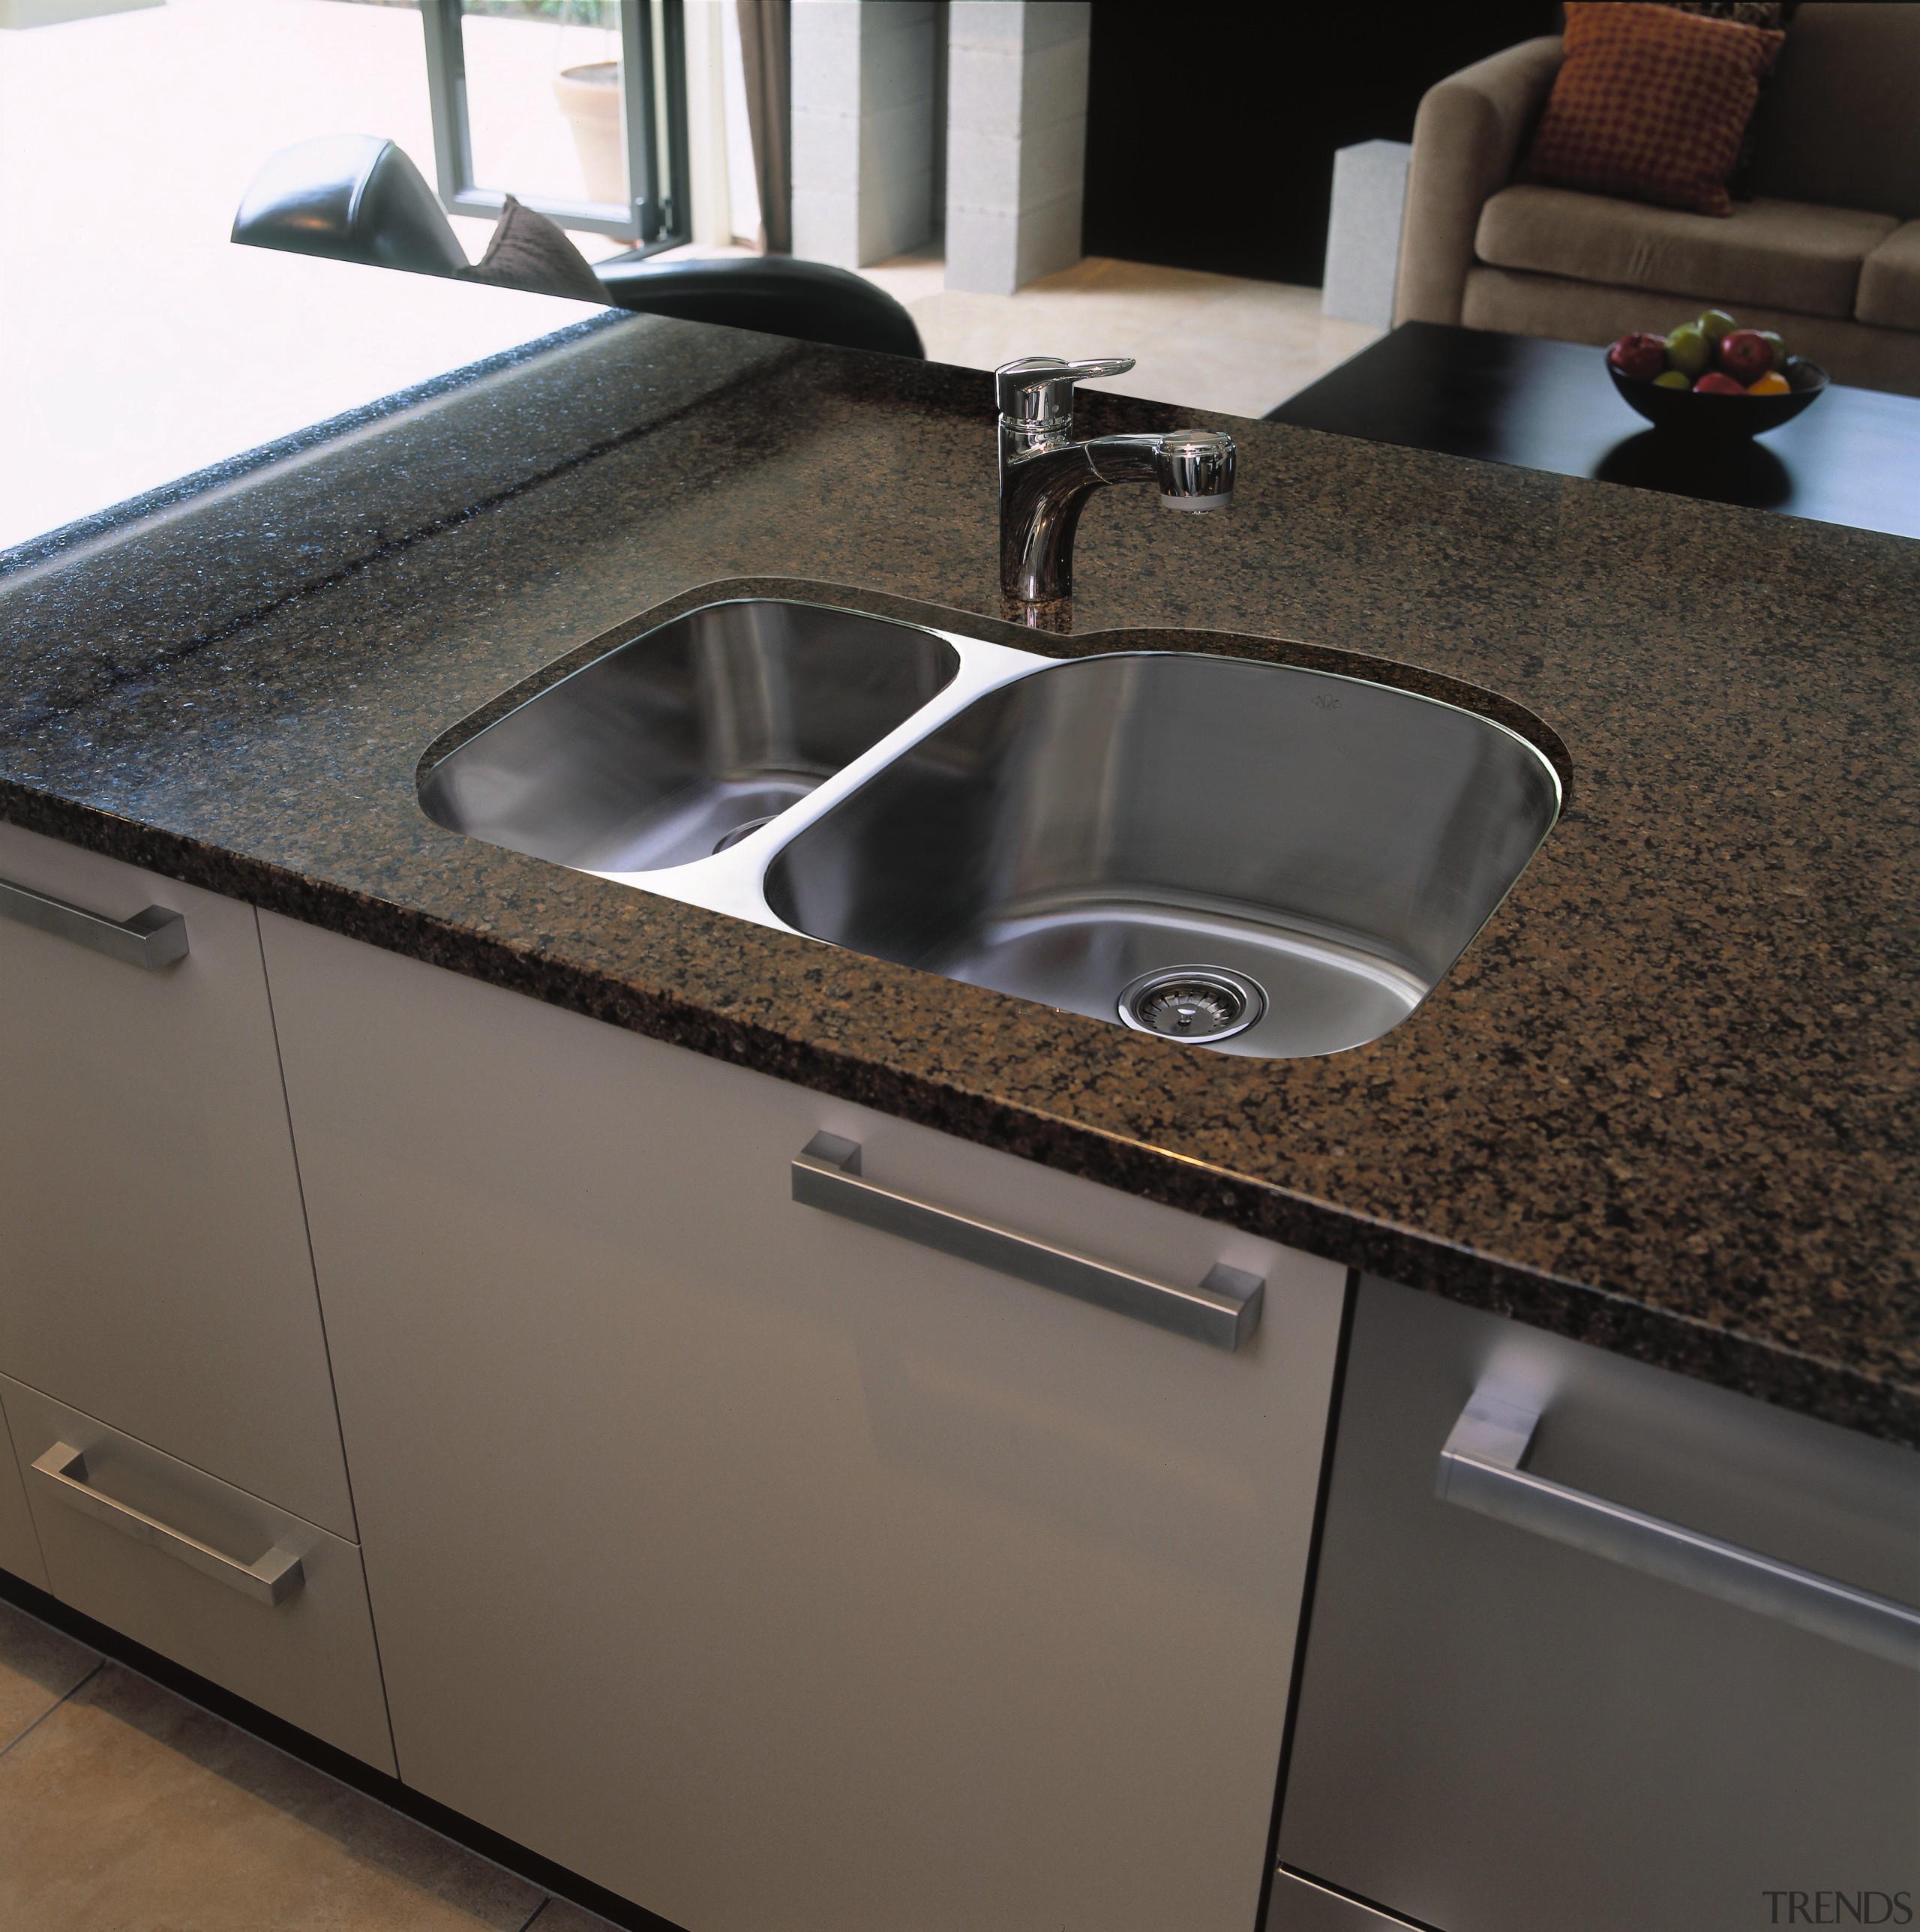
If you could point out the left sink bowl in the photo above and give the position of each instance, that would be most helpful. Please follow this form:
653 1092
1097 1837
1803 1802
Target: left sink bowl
687 739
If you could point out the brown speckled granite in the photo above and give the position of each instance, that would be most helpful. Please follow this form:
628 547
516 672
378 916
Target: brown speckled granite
1663 1104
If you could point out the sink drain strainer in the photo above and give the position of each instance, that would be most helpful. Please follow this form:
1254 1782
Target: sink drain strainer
1192 1003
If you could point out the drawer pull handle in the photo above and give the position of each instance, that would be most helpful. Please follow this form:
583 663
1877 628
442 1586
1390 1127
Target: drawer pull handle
271 1580
154 938
1480 1469
1224 1309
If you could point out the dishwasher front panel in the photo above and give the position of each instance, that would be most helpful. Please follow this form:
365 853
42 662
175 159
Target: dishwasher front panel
1500 1732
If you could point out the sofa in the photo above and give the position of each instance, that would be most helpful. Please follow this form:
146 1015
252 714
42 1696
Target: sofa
1827 251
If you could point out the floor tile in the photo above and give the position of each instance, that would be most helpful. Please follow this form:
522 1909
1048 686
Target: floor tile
1257 309
558 1916
1203 372
38 1666
910 277
1106 274
129 1810
1200 340
1157 298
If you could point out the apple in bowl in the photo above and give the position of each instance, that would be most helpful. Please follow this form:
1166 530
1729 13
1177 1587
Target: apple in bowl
1644 356
1711 377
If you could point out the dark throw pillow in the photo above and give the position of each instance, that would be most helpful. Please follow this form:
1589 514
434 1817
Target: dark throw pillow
1778 14
1651 103
527 251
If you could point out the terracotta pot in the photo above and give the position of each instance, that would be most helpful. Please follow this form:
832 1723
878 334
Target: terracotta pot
589 97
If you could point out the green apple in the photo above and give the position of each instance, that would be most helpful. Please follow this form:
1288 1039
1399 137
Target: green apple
1690 348
1716 325
1773 343
1673 379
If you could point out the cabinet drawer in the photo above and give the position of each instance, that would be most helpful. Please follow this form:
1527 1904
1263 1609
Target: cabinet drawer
191 1566
901 1588
153 1267
1514 1715
20 1549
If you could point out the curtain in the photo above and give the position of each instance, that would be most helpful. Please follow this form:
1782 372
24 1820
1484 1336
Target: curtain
765 61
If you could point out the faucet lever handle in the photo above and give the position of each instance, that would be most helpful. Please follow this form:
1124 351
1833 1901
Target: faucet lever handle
1036 392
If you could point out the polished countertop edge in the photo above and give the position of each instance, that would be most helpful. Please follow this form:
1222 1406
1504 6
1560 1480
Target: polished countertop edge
1579 1310
60 544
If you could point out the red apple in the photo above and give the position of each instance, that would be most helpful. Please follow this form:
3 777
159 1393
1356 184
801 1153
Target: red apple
1716 384
1642 355
1746 355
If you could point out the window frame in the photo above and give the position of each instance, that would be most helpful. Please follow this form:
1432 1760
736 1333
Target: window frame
658 214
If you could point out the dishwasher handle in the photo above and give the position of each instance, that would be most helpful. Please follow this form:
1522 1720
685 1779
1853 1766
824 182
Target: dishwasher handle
1481 1468
1223 1309
151 939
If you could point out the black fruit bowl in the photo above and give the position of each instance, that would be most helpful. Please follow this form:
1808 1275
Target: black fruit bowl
1721 418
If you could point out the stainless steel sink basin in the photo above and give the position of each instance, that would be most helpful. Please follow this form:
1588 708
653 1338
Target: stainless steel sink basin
1270 861
1250 857
685 741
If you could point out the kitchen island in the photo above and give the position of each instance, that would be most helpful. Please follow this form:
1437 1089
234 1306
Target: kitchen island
1663 1104
770 1570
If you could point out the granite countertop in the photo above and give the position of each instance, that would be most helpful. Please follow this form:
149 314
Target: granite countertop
1663 1104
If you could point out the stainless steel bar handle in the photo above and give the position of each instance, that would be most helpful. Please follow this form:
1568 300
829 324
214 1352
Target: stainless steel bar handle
1480 1469
154 938
272 1579
1224 1309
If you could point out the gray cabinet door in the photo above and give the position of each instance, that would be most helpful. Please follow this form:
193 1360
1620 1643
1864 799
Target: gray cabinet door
777 1572
154 1268
1499 1732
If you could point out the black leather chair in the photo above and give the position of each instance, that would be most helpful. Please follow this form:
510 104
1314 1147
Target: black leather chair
775 293
359 198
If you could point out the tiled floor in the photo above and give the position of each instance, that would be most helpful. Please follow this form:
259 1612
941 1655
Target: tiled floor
123 1808
1207 342
1210 342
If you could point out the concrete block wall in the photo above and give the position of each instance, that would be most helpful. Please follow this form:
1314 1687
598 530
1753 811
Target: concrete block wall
1016 139
863 120
1364 231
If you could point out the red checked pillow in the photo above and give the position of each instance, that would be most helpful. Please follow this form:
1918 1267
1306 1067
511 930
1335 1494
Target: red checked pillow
1651 103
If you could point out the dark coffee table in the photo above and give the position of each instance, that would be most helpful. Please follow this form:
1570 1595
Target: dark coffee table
1854 457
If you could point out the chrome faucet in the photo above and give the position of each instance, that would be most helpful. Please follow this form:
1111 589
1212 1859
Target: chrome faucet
1045 477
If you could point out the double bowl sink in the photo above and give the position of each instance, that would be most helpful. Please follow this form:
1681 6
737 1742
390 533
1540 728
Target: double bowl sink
1253 858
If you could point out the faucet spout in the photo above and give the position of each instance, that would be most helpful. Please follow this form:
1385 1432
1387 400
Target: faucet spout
1046 477
1194 468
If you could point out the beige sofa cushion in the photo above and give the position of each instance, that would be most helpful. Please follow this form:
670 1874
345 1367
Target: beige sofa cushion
1784 254
1837 123
1890 281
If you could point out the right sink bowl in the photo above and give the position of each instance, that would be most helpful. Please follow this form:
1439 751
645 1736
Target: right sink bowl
1260 859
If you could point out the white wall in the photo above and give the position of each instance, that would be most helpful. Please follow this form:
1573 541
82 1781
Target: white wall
1016 139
